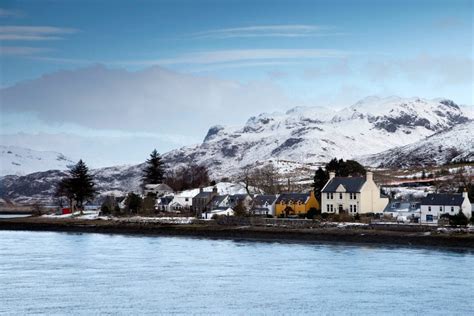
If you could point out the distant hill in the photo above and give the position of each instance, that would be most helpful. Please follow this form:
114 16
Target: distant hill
21 161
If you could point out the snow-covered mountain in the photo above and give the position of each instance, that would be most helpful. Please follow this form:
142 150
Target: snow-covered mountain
309 135
296 141
21 161
451 145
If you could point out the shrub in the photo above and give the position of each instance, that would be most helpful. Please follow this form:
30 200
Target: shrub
312 213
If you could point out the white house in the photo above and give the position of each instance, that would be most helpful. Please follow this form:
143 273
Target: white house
352 195
434 205
264 204
182 201
403 211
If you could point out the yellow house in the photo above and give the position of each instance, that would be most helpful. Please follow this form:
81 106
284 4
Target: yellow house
295 203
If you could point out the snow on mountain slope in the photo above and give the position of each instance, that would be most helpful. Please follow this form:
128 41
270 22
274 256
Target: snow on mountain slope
451 145
40 186
20 161
308 135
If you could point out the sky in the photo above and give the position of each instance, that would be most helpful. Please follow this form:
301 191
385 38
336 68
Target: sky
108 81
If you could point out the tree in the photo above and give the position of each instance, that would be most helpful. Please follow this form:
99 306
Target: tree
345 168
78 185
188 177
320 179
240 210
109 205
133 202
153 173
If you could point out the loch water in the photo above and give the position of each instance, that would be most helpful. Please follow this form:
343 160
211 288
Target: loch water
88 274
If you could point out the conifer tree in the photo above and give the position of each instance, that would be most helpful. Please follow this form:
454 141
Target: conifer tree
153 172
78 185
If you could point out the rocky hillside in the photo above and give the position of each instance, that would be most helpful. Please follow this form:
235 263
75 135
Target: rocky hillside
40 186
452 145
309 135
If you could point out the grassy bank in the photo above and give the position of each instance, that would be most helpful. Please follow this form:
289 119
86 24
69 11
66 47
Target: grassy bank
333 234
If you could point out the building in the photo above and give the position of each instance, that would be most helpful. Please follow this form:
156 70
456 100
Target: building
403 211
163 203
264 204
201 201
352 195
435 204
158 189
182 201
292 204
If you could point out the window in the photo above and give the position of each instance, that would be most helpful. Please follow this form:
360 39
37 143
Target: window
332 208
440 209
186 199
355 208
429 208
452 209
429 218
332 196
350 208
327 206
328 196
340 196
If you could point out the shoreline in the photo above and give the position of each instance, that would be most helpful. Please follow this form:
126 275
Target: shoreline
352 235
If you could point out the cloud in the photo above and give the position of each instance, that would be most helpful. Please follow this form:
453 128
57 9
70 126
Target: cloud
33 33
21 50
4 13
291 30
97 151
439 70
239 55
152 100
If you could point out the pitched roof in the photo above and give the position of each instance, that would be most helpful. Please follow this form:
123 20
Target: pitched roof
295 197
203 195
261 199
216 200
351 184
443 199
236 198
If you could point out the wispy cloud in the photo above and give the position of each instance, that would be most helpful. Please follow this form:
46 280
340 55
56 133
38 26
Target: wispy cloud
33 33
4 13
241 55
21 50
292 30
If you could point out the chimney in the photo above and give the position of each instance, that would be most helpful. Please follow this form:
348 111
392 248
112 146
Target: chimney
332 174
200 189
369 176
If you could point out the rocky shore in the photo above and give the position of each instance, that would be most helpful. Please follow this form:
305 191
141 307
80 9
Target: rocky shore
370 235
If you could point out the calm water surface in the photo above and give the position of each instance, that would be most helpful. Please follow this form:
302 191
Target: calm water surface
59 273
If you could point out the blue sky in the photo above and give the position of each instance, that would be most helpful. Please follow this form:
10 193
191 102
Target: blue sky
321 53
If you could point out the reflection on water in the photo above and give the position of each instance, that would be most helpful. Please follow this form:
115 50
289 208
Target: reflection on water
59 273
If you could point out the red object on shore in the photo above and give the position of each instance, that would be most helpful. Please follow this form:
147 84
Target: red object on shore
66 210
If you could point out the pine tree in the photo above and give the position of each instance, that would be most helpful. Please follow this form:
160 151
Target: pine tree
320 179
78 185
153 172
